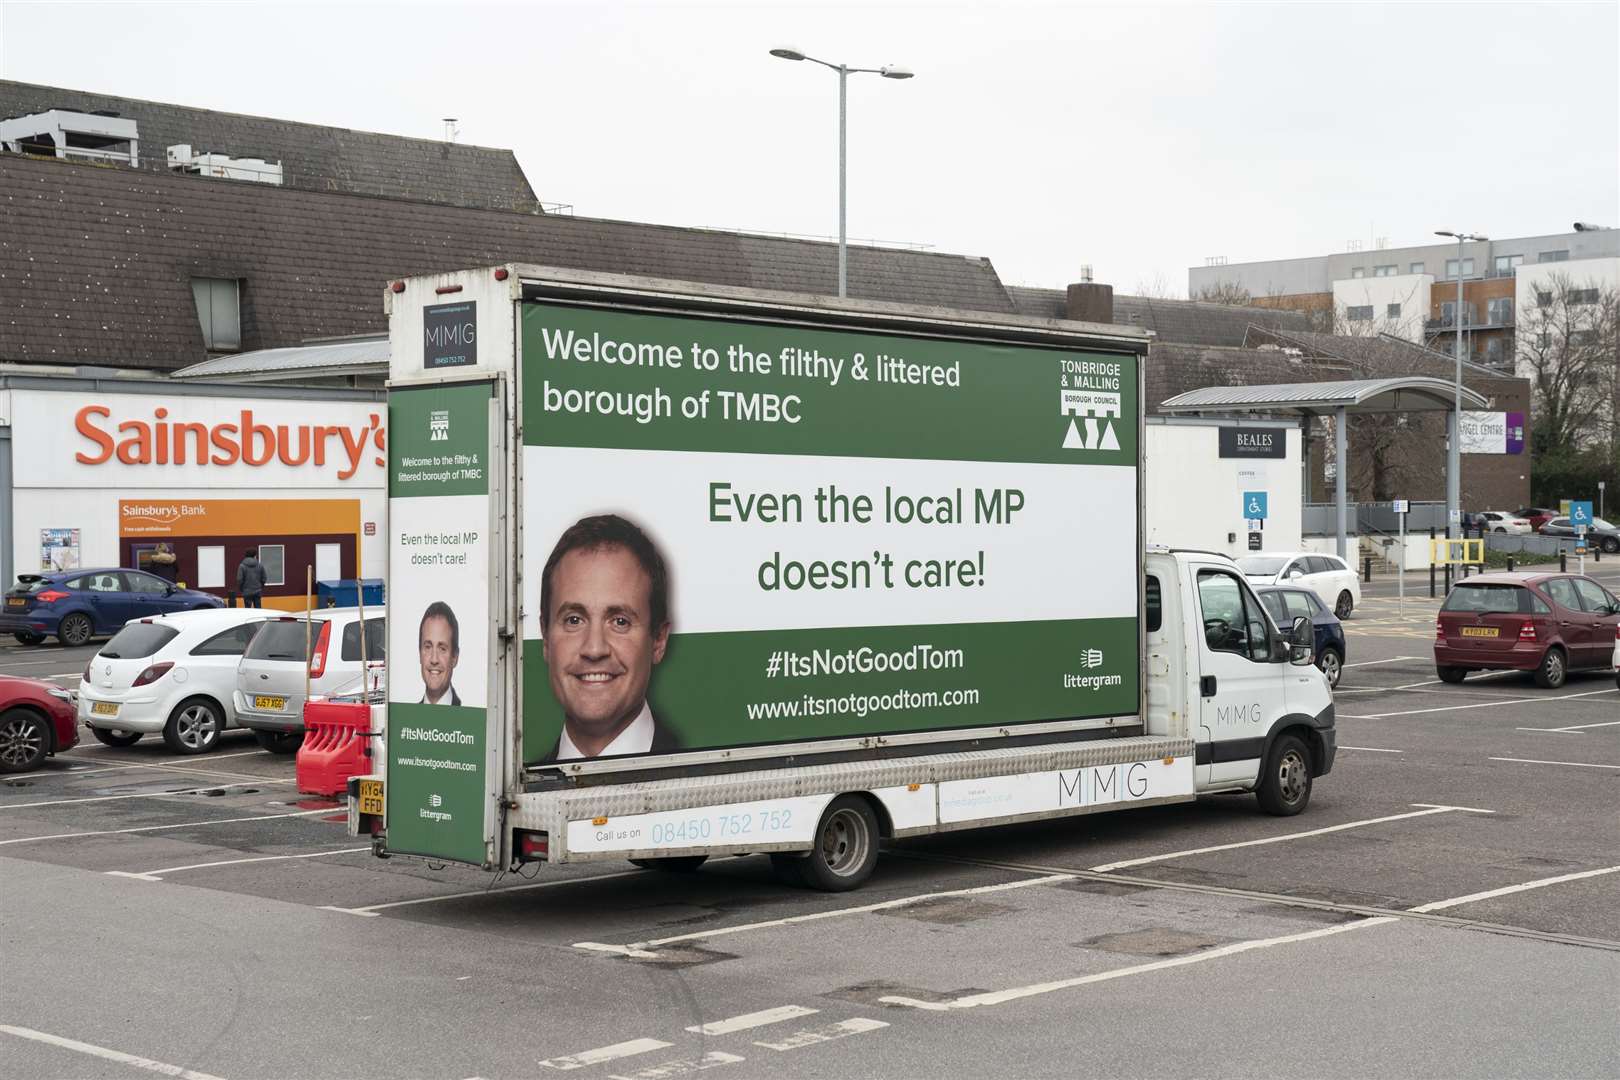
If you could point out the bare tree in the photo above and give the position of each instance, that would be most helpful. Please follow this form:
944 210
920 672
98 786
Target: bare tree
1157 287
1569 348
1225 292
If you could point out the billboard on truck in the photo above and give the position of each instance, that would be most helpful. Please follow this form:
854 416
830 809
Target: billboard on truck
748 533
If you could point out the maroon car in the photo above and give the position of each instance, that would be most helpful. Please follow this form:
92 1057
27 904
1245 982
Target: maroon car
37 719
1550 624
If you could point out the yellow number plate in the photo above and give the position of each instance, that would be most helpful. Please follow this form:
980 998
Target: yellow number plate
15 601
371 797
1480 631
262 702
104 708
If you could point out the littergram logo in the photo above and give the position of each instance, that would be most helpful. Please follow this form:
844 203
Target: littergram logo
439 425
1091 658
435 801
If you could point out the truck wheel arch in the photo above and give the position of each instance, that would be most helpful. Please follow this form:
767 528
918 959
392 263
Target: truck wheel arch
1306 728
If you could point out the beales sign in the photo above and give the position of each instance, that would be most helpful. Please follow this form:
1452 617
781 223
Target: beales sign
1242 442
130 439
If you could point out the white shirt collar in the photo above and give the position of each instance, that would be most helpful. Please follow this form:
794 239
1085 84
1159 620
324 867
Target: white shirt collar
635 739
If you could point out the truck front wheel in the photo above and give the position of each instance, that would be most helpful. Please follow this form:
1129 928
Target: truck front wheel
1285 780
846 846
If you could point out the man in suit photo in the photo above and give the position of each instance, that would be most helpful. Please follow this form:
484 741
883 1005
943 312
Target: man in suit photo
438 648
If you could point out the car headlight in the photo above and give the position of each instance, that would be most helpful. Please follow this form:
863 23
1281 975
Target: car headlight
57 691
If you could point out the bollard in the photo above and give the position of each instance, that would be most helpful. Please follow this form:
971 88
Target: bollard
1510 564
1563 561
1366 568
1431 581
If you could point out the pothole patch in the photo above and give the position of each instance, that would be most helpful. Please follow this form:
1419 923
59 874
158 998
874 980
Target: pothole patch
1100 888
948 910
1154 941
873 993
684 956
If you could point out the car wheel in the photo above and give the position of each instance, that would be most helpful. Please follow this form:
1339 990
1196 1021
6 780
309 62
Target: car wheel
1499 529
1344 605
1611 544
1451 674
194 726
24 740
28 637
75 629
1332 665
1553 669
115 738
1285 781
280 742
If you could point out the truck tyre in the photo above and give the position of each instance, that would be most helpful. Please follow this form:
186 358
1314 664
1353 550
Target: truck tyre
1451 674
280 742
1285 780
1553 669
672 864
194 726
846 846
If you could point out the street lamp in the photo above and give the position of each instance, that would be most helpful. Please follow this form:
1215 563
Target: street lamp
844 72
1454 452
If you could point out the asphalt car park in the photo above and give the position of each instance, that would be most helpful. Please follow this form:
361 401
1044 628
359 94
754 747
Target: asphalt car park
1449 905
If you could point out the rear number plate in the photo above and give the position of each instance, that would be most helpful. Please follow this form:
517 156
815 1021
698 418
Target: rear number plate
16 601
104 708
263 702
1480 631
371 797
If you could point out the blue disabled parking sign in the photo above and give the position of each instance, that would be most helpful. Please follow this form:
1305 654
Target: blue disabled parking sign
1254 505
1580 513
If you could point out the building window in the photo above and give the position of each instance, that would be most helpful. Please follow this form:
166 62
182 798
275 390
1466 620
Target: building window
1544 340
274 558
1359 314
1393 311
1506 264
219 311
1553 256
1543 299
1467 268
1499 311
1358 272
1386 271
1495 350
1583 337
1416 268
1583 296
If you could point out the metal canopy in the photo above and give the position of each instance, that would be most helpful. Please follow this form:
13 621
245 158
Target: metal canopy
1412 393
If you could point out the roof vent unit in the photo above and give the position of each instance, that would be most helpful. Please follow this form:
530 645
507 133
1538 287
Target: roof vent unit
223 166
76 136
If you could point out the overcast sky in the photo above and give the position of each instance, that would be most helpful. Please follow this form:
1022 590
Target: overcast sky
1137 139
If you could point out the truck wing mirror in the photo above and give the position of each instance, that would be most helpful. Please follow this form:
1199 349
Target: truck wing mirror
1302 641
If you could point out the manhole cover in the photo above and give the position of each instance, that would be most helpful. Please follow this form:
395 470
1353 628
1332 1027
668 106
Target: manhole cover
1154 941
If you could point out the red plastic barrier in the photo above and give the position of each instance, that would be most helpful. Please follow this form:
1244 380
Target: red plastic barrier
334 746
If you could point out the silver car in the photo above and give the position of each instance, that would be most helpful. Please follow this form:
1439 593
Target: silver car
270 680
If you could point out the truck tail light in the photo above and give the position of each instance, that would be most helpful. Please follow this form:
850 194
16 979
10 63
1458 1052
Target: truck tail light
531 846
1527 632
51 596
152 674
317 659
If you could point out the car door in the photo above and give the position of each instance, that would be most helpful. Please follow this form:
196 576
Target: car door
1600 606
211 664
1240 691
1575 624
150 595
109 600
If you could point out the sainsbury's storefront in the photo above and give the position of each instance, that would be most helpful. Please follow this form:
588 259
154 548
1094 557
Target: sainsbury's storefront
182 479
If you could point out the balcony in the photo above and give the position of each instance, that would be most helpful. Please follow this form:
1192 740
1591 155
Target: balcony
1470 321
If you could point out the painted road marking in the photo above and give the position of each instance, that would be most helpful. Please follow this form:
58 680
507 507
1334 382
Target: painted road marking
1538 761
605 1053
1371 749
686 1067
143 795
1391 660
752 1020
1425 812
372 910
1572 729
158 828
643 949
157 875
109 1055
1506 890
1490 704
181 769
841 1030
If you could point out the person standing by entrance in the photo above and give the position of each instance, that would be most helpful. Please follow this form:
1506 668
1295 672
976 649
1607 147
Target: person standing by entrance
250 579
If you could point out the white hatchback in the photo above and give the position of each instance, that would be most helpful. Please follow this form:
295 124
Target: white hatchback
1325 575
329 653
172 674
1500 521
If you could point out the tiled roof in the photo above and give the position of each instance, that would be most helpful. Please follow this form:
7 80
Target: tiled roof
312 156
96 262
1189 322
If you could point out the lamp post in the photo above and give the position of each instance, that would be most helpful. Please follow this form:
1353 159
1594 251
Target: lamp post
1454 451
844 72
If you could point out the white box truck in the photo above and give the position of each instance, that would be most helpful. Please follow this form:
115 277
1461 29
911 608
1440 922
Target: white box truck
691 571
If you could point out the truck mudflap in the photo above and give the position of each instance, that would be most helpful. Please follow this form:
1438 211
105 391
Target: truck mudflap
779 809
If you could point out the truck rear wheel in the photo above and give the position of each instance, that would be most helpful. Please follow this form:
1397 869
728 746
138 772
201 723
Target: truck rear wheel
672 864
1285 779
846 846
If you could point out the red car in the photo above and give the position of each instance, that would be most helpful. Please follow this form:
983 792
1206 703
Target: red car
37 719
1537 516
1550 624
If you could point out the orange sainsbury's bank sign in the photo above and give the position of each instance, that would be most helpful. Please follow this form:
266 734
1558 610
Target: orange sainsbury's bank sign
241 440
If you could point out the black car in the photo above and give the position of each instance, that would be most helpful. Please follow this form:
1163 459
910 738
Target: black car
1598 534
1285 603
76 605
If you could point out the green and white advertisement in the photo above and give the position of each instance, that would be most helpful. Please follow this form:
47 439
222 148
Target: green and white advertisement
744 534
438 620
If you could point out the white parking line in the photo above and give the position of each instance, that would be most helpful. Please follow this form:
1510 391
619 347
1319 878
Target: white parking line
1490 704
752 1020
157 875
841 1030
1538 761
605 1053
185 769
1572 729
642 949
1106 867
1391 660
157 828
373 909
1371 749
1507 890
109 1055
77 750
668 1070
116 798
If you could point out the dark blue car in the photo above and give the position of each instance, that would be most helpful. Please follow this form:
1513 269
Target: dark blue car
1286 603
76 605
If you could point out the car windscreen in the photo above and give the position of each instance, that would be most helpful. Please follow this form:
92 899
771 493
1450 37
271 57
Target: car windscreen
279 640
138 640
1261 567
1488 599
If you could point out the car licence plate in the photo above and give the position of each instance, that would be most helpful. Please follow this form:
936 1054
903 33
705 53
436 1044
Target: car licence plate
104 708
1480 631
16 601
371 797
262 701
